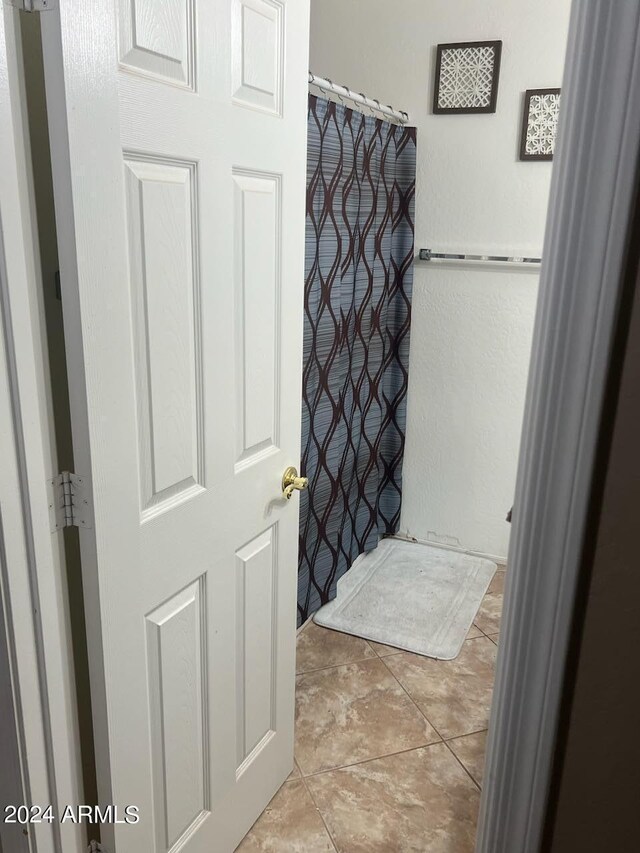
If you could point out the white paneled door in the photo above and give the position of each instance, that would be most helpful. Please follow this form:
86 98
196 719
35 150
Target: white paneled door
178 132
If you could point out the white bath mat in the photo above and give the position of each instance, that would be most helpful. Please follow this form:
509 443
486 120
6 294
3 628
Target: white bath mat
410 596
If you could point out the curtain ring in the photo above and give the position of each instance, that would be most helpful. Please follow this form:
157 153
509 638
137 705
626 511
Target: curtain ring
333 91
364 98
346 88
324 88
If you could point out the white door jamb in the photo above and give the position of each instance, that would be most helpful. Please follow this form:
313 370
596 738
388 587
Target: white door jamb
32 574
593 190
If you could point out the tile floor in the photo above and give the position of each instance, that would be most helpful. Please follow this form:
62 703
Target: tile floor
389 746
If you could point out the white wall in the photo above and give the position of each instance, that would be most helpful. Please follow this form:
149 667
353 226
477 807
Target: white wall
471 329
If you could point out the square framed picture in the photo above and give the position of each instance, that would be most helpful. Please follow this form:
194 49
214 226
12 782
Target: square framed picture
467 76
539 124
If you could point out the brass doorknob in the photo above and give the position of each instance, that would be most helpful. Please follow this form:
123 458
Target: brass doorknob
291 482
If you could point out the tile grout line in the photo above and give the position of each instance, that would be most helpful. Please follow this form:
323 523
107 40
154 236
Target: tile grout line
442 739
378 655
467 734
488 636
335 665
317 808
483 632
391 755
446 743
384 755
373 758
375 656
303 777
412 700
378 758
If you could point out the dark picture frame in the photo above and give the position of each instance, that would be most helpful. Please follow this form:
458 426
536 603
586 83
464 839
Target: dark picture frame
526 112
496 46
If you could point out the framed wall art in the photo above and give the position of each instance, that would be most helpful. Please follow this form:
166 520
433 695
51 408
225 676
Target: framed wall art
539 124
467 76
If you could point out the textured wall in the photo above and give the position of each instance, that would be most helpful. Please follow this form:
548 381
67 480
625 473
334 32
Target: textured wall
472 329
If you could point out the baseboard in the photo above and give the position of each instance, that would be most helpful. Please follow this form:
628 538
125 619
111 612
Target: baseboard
501 561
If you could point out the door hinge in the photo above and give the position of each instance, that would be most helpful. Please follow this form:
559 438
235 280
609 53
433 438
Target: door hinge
32 5
69 501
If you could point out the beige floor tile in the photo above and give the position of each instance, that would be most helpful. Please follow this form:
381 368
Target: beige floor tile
497 583
352 713
488 617
382 651
474 632
319 647
420 800
470 749
454 695
290 822
494 638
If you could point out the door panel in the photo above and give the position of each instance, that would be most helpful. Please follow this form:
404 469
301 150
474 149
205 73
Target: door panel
257 314
257 659
162 229
180 181
257 59
158 39
178 707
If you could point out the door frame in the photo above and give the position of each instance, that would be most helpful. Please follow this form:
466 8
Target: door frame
590 211
32 567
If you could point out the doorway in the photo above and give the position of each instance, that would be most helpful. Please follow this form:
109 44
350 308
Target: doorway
371 716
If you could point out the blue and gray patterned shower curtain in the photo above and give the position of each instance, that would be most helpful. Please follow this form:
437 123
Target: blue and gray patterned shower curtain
358 282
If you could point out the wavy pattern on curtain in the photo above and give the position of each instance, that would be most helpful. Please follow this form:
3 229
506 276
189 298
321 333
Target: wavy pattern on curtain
358 284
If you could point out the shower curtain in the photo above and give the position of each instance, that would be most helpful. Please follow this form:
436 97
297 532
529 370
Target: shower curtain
357 302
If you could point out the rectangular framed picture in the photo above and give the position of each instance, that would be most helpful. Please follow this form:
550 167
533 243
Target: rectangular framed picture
467 75
539 124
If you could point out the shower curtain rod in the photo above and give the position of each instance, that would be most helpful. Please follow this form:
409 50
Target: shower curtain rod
459 257
358 98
